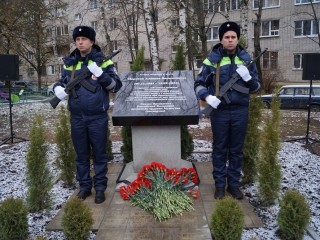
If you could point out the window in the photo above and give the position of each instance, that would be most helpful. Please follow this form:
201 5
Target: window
51 32
297 61
287 91
50 70
132 44
115 67
29 55
234 4
30 72
270 60
214 5
266 3
197 62
114 45
60 69
94 25
112 3
213 34
77 16
174 48
131 20
113 23
305 28
301 91
175 22
62 11
62 30
269 28
305 1
93 4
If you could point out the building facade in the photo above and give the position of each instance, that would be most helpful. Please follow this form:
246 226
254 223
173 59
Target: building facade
289 29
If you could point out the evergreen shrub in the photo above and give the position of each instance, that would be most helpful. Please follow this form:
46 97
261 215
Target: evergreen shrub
269 168
294 215
66 160
227 221
13 219
77 220
252 141
179 63
38 175
126 134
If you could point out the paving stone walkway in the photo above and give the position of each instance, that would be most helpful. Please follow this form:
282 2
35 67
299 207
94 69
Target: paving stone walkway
116 219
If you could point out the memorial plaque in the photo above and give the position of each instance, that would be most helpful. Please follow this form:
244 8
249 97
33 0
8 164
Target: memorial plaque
156 98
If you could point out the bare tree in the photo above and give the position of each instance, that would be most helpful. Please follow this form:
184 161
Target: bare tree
257 30
199 17
182 22
149 7
316 19
244 13
29 37
127 14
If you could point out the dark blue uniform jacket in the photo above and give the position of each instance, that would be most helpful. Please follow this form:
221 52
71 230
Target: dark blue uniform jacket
206 81
90 103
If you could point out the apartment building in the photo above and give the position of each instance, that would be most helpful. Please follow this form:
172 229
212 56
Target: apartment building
288 30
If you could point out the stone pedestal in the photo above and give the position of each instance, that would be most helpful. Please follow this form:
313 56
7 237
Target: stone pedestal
157 144
155 105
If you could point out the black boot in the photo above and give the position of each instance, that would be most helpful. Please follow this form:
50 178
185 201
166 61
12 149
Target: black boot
235 192
83 194
100 197
219 193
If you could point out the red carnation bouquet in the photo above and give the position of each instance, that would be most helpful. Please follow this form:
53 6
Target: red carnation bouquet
163 192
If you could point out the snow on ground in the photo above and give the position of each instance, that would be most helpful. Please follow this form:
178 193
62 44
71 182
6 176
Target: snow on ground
300 170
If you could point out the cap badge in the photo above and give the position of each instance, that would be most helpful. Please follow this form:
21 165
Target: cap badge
228 25
80 29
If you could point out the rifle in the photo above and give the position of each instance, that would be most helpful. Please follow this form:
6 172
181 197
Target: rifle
80 79
231 84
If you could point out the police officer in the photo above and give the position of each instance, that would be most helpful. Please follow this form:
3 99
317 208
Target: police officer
230 115
88 109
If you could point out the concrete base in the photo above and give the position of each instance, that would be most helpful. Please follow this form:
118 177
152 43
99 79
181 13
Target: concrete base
157 144
154 144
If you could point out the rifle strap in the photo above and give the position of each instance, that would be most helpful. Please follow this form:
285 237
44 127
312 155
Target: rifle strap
73 71
218 79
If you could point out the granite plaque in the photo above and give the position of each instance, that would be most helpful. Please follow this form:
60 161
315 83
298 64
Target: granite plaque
156 98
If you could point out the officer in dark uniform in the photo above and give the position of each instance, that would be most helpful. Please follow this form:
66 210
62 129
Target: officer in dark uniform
229 118
88 109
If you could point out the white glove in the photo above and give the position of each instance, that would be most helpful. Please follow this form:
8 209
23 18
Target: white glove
244 73
213 101
95 69
60 93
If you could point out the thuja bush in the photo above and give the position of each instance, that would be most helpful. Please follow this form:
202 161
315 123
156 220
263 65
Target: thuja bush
109 146
227 221
186 142
179 63
126 134
252 141
269 168
66 154
138 63
126 148
294 215
13 219
77 220
38 175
